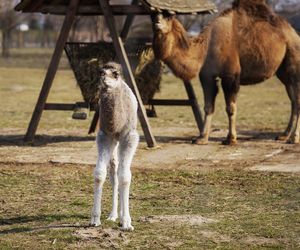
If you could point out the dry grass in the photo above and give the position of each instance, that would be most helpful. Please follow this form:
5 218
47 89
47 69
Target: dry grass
48 207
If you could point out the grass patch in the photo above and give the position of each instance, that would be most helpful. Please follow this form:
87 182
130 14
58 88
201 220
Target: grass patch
44 207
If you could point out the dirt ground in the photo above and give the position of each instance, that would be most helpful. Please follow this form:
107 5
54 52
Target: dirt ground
255 151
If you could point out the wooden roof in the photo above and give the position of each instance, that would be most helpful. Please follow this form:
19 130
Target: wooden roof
182 6
91 7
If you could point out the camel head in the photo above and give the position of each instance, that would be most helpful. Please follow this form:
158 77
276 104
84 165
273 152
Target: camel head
110 75
163 23
166 25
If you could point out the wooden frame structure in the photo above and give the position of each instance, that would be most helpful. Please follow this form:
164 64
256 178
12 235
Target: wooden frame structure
103 8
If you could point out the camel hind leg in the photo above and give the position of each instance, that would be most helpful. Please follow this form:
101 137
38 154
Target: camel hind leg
288 131
290 76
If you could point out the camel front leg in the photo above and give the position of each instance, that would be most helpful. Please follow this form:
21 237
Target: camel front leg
127 148
113 176
105 146
210 90
230 87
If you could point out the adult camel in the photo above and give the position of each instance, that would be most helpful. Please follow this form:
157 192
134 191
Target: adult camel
246 44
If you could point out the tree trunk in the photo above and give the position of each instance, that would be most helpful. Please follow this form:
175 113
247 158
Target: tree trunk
5 43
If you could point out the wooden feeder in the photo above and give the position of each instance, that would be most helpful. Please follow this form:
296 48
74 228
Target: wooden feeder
71 8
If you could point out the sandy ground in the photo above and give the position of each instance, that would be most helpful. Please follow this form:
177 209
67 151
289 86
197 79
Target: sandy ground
255 151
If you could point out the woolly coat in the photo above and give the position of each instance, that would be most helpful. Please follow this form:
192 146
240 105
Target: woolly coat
118 110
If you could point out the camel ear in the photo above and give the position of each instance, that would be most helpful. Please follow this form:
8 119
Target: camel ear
168 14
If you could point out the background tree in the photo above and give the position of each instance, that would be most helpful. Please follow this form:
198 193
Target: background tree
9 20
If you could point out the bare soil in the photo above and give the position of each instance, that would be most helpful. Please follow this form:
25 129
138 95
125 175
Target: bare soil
255 151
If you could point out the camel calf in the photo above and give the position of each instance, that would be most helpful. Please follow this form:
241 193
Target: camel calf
117 142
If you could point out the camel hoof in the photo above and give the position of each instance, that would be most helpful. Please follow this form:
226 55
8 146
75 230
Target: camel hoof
229 142
126 224
199 141
282 138
293 140
95 221
112 217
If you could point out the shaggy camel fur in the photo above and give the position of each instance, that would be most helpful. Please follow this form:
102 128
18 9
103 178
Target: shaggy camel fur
246 44
117 140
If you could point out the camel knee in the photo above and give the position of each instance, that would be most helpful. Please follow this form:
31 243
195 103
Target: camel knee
124 178
231 109
209 109
100 176
131 140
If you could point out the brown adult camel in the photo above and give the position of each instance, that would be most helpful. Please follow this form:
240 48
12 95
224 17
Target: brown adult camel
244 45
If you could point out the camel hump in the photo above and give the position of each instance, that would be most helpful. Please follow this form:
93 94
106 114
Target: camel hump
247 3
258 10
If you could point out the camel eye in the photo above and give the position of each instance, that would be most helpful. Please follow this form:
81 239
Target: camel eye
115 74
102 73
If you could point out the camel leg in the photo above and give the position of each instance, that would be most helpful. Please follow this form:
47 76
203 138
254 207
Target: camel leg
230 85
113 177
106 145
288 131
127 148
295 135
292 85
210 89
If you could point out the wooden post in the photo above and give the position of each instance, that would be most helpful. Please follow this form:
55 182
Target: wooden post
63 36
128 23
123 35
194 103
94 121
120 51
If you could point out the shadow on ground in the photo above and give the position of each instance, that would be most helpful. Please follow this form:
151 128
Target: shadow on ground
46 218
42 140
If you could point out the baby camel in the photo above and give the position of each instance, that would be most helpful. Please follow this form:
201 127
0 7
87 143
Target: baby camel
117 142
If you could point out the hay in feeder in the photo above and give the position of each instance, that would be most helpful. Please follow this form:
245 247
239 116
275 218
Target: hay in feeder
147 74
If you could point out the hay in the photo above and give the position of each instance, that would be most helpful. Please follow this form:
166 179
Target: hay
147 74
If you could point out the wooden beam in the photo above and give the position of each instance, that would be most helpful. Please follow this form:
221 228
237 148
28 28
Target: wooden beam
117 10
59 106
34 6
63 36
195 106
128 23
91 9
121 54
169 102
94 122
